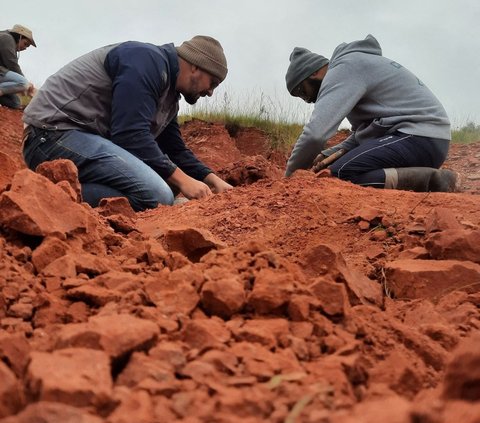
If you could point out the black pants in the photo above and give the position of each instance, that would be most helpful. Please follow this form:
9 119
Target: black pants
364 164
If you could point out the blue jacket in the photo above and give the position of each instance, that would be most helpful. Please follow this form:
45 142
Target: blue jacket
126 93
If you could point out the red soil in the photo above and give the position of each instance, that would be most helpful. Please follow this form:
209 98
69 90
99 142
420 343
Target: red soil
299 300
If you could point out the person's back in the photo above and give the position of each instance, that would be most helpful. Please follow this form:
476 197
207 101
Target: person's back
65 102
389 95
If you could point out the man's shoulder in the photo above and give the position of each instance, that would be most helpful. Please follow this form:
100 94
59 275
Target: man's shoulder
138 51
141 45
5 37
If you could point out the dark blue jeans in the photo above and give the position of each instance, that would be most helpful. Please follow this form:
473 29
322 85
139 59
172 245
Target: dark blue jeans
12 83
104 169
364 164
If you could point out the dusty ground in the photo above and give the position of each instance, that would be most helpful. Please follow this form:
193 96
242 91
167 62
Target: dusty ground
301 300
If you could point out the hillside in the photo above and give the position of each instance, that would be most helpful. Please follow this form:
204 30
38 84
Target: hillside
299 300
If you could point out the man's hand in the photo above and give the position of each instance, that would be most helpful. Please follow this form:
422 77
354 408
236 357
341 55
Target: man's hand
322 161
216 184
31 90
317 163
189 187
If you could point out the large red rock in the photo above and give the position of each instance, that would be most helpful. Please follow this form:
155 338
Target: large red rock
459 244
75 376
324 260
116 334
411 279
36 206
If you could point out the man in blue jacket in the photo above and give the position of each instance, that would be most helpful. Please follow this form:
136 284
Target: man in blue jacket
113 112
400 131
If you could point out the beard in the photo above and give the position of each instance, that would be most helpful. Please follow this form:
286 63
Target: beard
190 98
314 85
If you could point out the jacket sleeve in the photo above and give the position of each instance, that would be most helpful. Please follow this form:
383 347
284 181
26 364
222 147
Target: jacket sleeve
171 143
139 75
8 55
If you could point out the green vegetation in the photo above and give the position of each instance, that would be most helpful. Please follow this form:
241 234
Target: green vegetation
280 125
466 134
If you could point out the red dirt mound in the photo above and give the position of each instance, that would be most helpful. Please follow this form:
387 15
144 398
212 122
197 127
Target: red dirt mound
282 300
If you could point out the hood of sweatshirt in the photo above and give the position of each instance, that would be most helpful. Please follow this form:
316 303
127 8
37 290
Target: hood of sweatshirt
369 45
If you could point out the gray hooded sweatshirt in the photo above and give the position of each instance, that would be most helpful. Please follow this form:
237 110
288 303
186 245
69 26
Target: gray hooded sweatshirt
377 95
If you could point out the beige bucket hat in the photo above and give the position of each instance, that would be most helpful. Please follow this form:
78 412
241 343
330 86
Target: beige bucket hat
24 31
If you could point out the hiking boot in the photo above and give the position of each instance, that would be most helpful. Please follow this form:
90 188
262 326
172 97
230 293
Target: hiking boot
423 179
445 180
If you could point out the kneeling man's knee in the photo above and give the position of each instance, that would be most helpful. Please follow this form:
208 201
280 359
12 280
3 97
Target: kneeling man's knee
162 195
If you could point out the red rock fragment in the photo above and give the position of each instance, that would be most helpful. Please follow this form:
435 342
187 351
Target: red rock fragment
11 393
271 291
191 242
48 251
462 376
332 297
75 376
135 406
115 206
62 170
116 334
441 219
459 244
223 297
14 350
52 412
205 333
324 260
411 279
35 206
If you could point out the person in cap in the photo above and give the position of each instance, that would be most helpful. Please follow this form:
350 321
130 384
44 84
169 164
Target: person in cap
400 130
113 112
12 80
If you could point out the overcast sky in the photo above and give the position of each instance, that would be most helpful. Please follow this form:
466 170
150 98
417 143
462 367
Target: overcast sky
439 40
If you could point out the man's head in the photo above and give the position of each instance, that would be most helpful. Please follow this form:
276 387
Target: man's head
25 38
302 76
207 67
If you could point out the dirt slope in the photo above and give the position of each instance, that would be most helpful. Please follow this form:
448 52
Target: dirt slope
300 300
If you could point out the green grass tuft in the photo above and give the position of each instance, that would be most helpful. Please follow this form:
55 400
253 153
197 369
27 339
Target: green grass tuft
281 126
467 134
281 119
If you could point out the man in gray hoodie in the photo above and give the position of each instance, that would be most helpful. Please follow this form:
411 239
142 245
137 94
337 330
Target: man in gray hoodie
400 131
